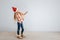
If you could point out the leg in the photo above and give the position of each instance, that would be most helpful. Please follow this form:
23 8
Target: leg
18 36
18 29
22 28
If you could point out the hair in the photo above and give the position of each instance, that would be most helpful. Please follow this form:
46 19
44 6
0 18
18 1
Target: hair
14 16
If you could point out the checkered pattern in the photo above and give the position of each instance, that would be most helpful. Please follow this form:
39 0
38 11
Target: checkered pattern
20 18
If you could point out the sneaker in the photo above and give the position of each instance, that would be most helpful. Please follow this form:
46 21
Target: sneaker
22 35
18 36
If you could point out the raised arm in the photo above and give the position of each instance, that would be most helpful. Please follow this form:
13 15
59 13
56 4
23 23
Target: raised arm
25 12
22 12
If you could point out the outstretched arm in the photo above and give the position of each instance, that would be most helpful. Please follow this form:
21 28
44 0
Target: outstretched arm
25 12
22 12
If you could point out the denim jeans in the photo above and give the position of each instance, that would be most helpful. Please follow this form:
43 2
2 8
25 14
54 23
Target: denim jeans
20 25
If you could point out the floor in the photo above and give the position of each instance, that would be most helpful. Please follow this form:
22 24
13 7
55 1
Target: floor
31 36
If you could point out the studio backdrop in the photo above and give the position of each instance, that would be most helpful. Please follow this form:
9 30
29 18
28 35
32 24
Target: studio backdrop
43 15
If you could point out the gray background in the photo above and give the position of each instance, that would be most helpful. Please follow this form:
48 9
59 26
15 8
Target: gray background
43 15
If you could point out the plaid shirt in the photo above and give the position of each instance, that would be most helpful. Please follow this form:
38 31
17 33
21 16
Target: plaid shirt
20 18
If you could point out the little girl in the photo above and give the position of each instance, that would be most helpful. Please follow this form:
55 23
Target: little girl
19 17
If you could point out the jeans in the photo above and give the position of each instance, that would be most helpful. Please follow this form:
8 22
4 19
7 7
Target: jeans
20 25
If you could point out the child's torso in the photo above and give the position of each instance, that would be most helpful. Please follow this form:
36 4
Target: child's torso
20 18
